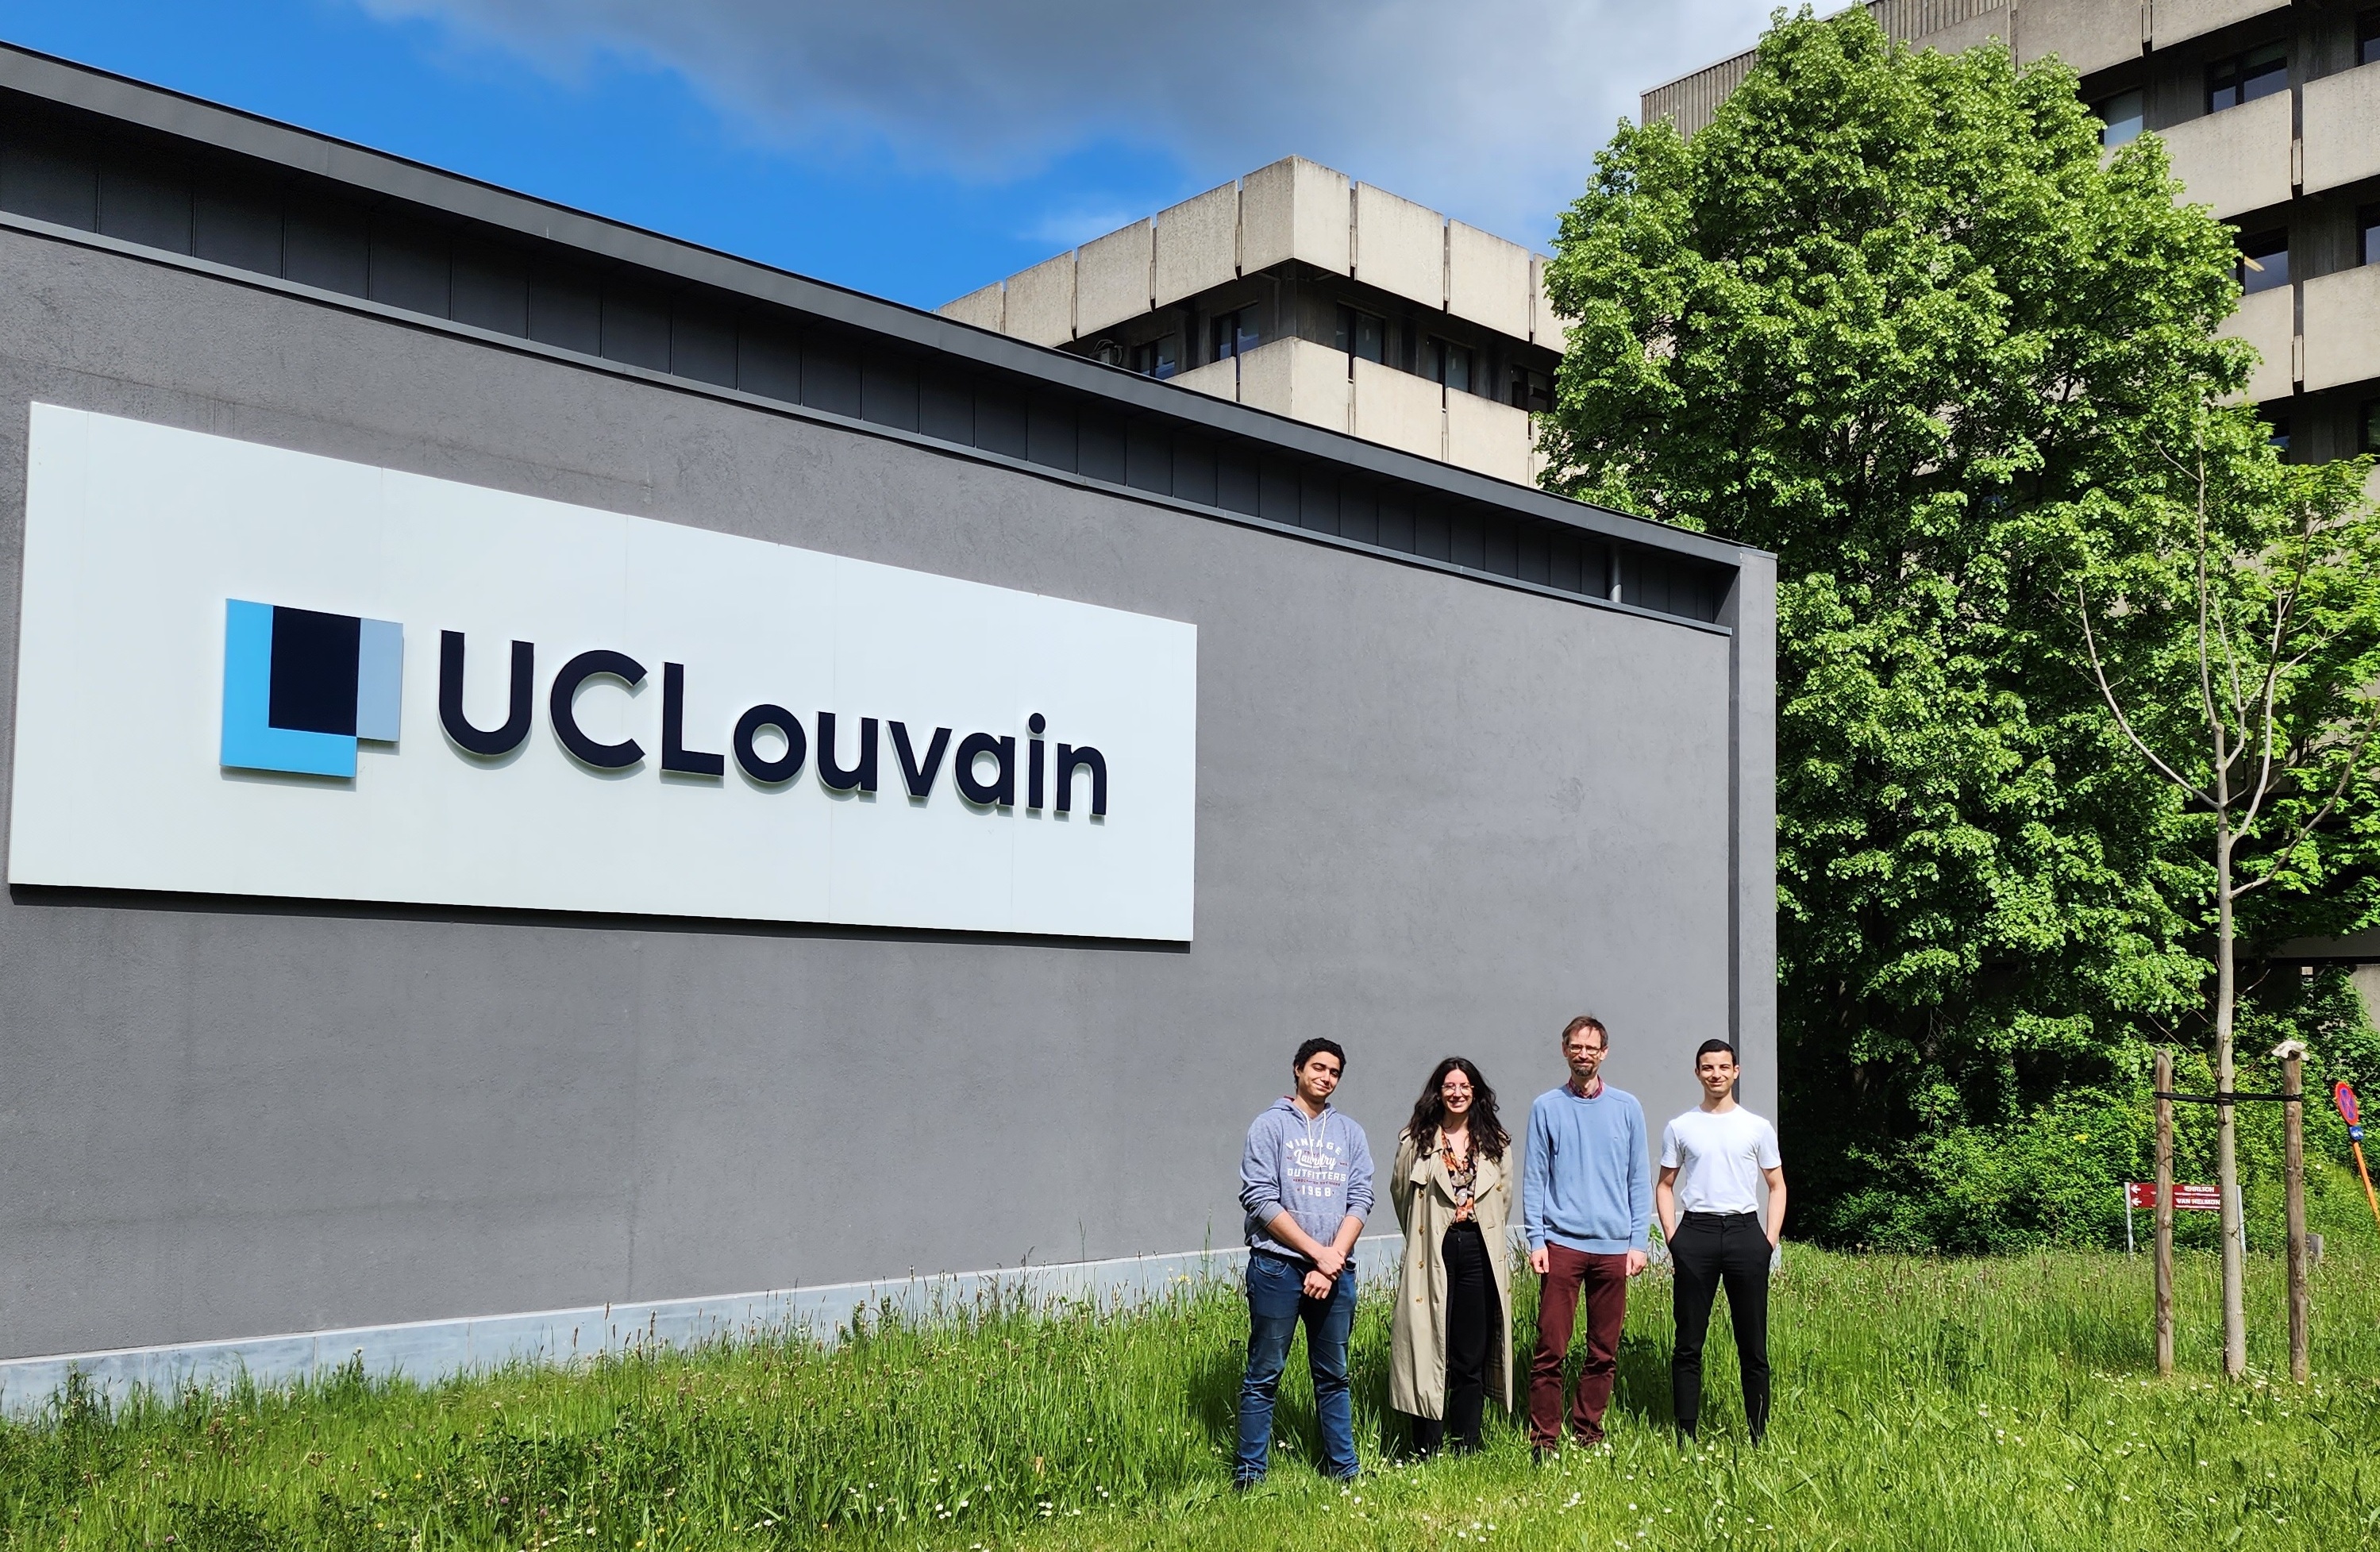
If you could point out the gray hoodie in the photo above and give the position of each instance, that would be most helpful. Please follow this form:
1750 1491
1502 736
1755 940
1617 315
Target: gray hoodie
1319 1168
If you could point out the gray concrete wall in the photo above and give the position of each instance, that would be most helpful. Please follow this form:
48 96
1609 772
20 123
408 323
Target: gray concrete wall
1435 815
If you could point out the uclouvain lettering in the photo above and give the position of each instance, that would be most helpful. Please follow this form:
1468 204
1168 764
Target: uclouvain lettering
918 773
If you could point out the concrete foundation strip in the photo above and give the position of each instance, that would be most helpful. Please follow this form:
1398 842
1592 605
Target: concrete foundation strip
430 1351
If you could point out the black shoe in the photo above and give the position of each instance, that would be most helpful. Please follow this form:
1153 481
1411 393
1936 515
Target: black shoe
1539 1454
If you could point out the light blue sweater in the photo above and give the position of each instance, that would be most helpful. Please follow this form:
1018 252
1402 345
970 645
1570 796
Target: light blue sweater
1318 1169
1589 1184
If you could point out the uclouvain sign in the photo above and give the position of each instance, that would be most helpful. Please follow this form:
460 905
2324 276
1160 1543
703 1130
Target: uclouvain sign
248 670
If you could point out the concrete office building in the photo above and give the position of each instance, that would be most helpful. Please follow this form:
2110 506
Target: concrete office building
1298 290
2271 115
561 783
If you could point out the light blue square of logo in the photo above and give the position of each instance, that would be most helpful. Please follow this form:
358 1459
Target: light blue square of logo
380 680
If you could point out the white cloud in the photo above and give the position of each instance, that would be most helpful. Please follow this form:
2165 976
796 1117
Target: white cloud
1490 110
1072 225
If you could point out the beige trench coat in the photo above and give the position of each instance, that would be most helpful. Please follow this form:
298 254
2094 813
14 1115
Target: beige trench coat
1424 1203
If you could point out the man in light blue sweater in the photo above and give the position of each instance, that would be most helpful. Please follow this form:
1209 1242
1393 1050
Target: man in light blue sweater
1586 1204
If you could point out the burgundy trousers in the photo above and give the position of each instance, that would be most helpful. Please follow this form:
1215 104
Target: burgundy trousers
1602 1282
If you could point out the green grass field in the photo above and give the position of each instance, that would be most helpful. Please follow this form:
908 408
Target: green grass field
1921 1404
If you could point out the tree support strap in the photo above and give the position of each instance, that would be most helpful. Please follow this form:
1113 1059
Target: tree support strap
2233 1098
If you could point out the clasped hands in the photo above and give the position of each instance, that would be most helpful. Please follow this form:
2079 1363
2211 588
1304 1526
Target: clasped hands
1329 1262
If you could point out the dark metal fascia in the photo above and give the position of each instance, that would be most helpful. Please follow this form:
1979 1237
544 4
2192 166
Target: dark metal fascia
127 100
696 387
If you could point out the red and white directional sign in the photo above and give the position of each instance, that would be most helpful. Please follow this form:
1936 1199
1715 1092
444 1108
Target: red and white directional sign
2186 1198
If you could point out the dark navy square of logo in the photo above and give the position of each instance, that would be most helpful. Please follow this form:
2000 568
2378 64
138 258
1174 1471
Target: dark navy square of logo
313 682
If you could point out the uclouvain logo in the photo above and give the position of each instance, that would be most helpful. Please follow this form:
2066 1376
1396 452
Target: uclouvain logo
301 687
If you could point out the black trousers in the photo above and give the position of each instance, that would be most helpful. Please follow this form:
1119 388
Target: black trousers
1710 1249
1473 1316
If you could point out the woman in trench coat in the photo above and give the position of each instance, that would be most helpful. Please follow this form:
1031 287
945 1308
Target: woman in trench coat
1448 1344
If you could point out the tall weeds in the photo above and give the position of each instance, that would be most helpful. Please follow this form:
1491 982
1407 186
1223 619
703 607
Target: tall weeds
1986 1403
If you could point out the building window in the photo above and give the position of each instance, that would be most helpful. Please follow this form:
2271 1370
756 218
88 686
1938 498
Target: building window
1363 335
2367 38
2244 77
1235 334
2369 440
1532 391
2367 221
1158 359
2119 118
1447 363
2277 431
2263 262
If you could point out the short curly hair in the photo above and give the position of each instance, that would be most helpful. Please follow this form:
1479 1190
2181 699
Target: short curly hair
1309 1050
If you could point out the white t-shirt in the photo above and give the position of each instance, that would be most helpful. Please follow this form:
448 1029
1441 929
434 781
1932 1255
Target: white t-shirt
1719 1160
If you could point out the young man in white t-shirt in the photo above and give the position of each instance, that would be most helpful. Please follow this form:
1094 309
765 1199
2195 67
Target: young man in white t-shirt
1716 1161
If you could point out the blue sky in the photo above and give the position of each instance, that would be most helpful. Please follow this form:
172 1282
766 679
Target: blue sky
917 149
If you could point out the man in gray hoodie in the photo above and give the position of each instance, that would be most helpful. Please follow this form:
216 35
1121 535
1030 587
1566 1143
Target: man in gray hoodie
1305 1183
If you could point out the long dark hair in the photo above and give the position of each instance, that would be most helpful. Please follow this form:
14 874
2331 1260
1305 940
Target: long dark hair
1488 1134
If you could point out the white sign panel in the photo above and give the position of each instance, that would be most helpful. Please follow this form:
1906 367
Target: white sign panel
252 671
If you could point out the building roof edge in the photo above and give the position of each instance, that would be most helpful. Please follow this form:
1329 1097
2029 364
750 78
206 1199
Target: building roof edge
110 95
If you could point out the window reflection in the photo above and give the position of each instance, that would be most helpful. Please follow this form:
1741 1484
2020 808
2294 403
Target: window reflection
2244 77
2264 261
2119 118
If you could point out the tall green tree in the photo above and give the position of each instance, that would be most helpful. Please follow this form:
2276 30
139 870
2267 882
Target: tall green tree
1896 318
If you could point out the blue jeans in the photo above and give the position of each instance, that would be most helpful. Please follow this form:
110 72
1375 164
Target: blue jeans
1277 1303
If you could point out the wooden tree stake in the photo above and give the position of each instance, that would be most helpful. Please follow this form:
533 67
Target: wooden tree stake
2292 1055
2163 1213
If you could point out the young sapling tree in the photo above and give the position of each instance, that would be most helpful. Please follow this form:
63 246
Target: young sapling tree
2235 642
